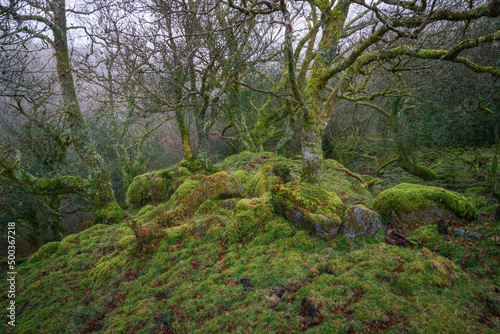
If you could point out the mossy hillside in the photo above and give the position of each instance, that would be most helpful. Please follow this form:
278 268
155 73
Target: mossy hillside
479 258
54 285
249 270
265 278
151 213
243 176
408 198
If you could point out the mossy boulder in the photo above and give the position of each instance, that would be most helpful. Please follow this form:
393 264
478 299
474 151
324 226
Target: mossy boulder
310 207
199 227
153 187
415 203
267 177
359 220
111 214
181 192
218 186
243 176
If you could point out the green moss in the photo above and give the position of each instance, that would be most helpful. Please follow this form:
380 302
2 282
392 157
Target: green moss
192 165
267 177
126 242
309 206
152 187
408 198
447 177
359 220
350 187
45 251
151 212
185 188
248 219
308 196
243 176
199 227
221 185
427 236
208 207
109 215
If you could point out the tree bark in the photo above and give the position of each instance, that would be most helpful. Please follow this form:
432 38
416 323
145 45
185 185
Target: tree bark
238 120
54 202
186 149
100 188
203 149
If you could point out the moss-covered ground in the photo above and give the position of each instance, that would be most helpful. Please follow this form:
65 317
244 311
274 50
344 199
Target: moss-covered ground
242 268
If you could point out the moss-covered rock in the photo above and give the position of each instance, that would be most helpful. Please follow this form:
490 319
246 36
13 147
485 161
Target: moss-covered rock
181 192
415 203
310 207
267 177
220 185
109 215
153 187
200 226
243 176
359 220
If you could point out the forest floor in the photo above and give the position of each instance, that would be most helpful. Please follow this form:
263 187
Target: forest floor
248 270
